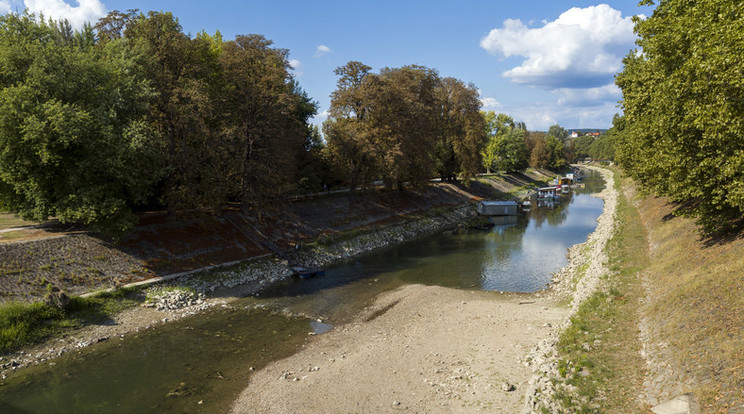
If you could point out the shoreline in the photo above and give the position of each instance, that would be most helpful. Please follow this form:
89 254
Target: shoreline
221 285
539 311
433 349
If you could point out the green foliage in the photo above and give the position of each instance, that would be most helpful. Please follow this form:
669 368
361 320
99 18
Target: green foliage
582 146
556 150
603 147
74 143
139 114
461 131
506 149
402 125
558 132
684 125
22 324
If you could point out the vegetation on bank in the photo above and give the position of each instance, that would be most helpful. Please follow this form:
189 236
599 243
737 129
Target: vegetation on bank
687 292
190 123
683 130
696 305
600 359
24 324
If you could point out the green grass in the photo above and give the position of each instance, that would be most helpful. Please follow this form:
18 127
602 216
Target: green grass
600 351
8 220
24 324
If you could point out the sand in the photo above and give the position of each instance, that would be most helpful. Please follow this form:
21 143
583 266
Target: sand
419 349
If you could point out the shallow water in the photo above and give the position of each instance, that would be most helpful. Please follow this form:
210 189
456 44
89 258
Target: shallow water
201 363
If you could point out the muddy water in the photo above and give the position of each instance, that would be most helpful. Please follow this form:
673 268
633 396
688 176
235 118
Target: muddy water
200 364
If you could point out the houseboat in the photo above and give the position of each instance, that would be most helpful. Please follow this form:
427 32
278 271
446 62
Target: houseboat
548 193
498 208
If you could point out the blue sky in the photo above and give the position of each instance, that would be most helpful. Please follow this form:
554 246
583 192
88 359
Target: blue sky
540 61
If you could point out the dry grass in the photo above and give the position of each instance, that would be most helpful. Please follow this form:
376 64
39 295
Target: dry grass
8 220
697 303
600 351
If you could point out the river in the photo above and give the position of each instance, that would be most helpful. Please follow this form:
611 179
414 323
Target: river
201 363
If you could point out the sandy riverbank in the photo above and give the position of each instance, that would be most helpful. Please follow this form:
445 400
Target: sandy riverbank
419 349
430 349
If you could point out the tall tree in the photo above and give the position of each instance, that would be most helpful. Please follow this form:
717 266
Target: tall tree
461 131
351 145
404 120
506 149
684 116
540 155
267 121
74 141
557 151
558 132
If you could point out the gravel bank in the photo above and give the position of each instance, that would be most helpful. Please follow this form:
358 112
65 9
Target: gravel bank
196 292
578 285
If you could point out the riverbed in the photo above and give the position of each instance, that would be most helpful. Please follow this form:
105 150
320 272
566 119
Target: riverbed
201 363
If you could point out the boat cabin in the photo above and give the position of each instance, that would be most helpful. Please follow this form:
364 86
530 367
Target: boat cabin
565 181
498 208
547 193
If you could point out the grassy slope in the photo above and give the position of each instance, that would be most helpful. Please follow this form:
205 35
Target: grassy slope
23 324
600 352
695 304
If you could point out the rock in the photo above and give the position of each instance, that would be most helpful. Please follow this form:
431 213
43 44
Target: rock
682 404
507 387
56 298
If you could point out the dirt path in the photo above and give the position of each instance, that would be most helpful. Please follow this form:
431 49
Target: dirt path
420 349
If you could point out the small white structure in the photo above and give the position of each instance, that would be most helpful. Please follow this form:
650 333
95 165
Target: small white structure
498 208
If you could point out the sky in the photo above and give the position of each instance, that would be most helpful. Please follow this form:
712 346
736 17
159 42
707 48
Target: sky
543 62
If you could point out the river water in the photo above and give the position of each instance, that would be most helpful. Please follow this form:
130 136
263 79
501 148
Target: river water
200 364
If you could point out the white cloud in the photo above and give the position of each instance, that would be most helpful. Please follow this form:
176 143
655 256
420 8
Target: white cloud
85 11
490 103
4 6
582 48
322 50
320 117
587 97
296 66
539 116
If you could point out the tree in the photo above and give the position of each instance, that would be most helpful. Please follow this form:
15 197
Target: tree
540 155
558 132
266 119
684 126
403 125
111 26
461 131
496 123
351 146
74 141
506 149
556 149
582 145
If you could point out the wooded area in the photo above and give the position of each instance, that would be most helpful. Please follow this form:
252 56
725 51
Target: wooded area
683 129
132 114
